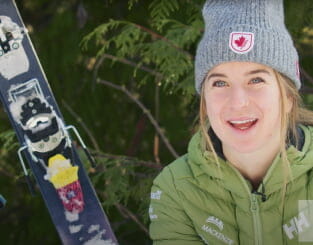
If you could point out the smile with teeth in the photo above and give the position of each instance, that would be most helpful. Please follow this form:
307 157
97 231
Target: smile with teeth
243 124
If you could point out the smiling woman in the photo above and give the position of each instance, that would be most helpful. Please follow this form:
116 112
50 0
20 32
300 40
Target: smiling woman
243 113
243 102
249 168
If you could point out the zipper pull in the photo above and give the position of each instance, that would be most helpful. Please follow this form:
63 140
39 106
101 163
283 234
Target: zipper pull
262 193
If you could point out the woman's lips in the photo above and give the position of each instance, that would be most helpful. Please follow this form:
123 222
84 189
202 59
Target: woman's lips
244 124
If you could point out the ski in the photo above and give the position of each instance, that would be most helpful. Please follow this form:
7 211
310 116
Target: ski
45 141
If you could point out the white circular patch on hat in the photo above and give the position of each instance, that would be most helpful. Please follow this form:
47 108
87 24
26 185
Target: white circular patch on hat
241 42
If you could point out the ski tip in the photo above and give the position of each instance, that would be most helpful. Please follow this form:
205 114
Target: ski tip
2 201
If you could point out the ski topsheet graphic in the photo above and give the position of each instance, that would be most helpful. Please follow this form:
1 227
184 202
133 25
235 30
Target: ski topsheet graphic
13 58
45 141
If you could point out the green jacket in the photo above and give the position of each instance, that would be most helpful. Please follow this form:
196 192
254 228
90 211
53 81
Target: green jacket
195 202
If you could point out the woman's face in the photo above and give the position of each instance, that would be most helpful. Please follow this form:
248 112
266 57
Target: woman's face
243 105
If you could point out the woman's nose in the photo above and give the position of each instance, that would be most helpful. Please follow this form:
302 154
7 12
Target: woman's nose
239 98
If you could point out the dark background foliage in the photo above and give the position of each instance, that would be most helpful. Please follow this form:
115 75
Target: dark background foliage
122 73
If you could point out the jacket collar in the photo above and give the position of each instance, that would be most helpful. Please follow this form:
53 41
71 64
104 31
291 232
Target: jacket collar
202 162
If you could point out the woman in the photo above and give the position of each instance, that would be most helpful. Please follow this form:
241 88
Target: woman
247 177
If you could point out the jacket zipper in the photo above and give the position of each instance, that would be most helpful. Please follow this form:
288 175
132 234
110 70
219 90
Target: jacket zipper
256 220
254 210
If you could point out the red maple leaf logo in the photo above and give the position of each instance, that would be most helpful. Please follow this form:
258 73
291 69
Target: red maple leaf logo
241 42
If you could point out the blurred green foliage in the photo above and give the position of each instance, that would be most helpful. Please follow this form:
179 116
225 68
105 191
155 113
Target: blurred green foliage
145 47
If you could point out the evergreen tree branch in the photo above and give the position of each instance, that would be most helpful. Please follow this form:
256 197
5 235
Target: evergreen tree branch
127 62
137 137
129 159
128 214
156 144
145 110
158 36
6 173
306 90
96 70
306 75
82 124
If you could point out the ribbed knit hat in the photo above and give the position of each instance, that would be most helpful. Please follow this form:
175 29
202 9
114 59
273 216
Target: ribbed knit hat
246 30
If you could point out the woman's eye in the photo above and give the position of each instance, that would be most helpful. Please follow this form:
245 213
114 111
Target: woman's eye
219 84
256 80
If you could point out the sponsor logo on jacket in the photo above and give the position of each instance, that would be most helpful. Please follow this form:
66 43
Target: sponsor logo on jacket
214 232
156 195
296 225
152 215
215 221
220 236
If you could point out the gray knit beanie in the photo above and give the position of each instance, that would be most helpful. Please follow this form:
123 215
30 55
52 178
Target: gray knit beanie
246 30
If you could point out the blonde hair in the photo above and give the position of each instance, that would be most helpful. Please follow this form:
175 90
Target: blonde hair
289 121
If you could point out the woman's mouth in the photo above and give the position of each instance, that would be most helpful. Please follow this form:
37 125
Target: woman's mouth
243 124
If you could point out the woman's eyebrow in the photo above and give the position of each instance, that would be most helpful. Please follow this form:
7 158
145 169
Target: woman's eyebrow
258 71
216 75
247 73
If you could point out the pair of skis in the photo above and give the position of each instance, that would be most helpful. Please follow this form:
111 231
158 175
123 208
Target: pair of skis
45 141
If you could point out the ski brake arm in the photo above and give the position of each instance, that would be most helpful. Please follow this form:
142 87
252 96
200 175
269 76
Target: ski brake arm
29 183
91 159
